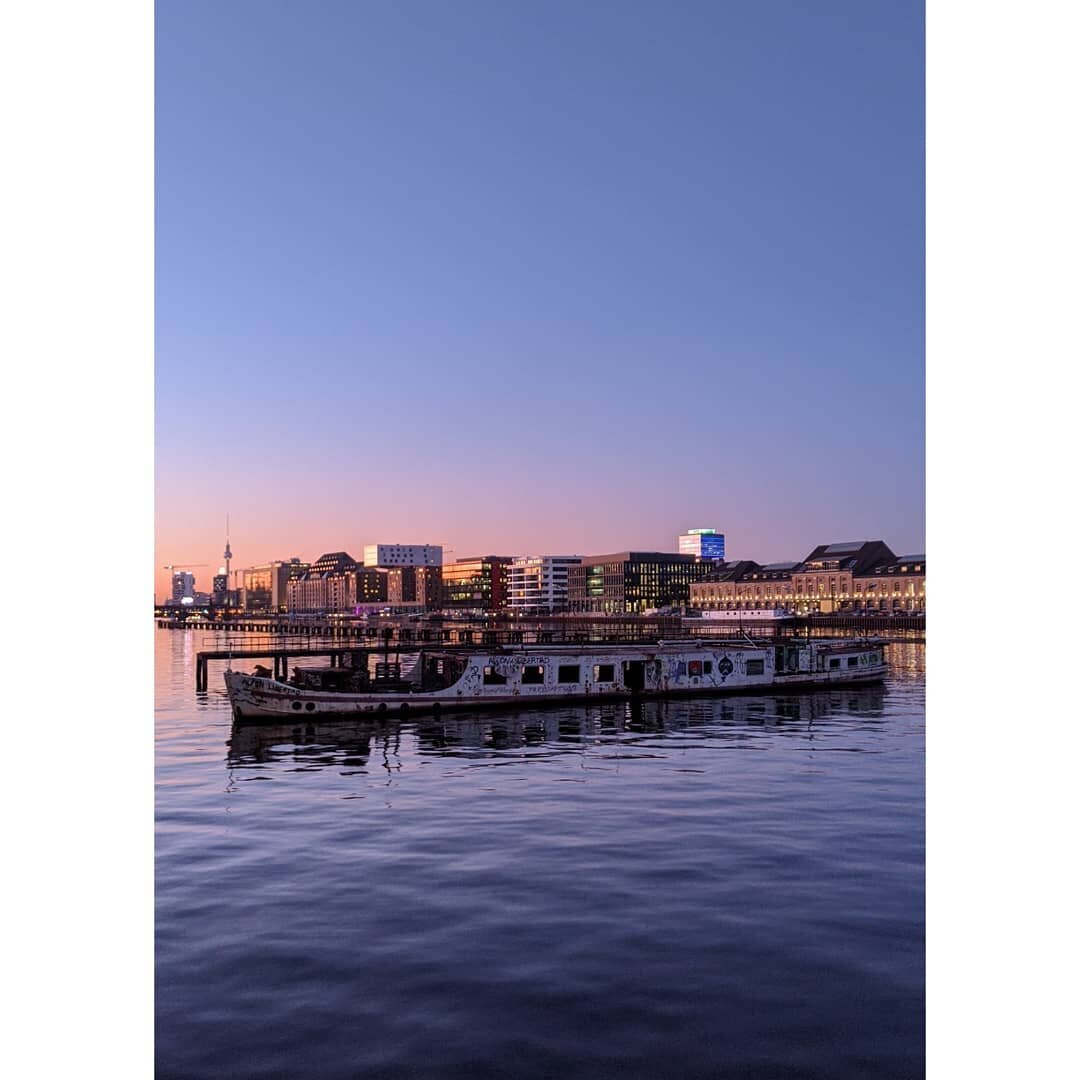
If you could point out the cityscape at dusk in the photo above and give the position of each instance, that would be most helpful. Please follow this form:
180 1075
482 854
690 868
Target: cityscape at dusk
540 588
441 295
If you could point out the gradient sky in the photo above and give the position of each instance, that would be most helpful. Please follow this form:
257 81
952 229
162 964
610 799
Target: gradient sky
538 277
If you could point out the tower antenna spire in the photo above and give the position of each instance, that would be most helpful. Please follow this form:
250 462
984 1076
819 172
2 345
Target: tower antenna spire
228 555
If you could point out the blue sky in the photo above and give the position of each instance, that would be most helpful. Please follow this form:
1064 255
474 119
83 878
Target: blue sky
538 277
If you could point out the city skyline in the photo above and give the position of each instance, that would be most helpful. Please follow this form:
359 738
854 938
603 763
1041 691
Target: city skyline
409 285
205 571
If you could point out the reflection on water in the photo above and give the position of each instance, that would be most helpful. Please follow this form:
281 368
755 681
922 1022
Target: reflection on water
603 730
574 891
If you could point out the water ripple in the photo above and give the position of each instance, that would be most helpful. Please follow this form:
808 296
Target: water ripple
724 887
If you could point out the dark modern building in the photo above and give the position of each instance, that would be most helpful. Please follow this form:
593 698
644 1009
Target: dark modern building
419 586
370 585
220 588
633 581
480 584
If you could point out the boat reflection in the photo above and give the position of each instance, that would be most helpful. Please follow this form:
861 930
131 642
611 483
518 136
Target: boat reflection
349 741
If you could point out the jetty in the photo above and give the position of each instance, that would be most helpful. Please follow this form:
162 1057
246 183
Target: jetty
350 642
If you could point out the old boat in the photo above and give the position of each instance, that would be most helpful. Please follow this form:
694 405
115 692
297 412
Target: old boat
510 677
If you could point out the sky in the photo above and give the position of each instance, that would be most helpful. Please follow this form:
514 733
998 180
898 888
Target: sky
537 277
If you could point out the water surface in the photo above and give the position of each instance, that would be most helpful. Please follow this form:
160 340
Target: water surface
728 887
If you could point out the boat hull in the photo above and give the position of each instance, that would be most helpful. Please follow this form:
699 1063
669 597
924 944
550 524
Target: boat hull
655 673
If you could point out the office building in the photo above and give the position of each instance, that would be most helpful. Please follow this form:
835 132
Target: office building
390 555
475 585
220 588
632 582
703 543
539 584
265 587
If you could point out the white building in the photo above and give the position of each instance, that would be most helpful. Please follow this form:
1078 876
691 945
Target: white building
537 584
391 555
704 543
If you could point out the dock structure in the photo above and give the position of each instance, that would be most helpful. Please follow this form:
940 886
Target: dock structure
533 629
284 641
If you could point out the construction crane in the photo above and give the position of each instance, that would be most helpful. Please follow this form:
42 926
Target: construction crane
184 566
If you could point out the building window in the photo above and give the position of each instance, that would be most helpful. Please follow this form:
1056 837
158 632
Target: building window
532 675
604 673
569 673
755 667
493 678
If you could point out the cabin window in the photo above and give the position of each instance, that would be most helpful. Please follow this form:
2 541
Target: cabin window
755 667
604 673
493 678
532 675
708 667
569 673
695 667
852 661
834 662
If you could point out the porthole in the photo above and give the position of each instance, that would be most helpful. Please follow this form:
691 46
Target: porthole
310 706
297 706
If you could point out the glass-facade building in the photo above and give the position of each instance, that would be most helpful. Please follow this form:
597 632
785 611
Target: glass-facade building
632 582
475 584
703 543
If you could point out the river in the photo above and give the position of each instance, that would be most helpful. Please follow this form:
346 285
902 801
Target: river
724 887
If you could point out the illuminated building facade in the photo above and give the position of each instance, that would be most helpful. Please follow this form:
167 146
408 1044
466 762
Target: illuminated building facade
745 585
631 582
825 581
834 578
899 585
478 584
703 543
265 587
324 586
539 584
415 586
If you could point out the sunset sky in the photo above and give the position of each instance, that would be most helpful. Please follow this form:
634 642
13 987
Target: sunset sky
537 277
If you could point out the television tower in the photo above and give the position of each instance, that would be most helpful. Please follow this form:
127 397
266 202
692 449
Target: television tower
228 555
